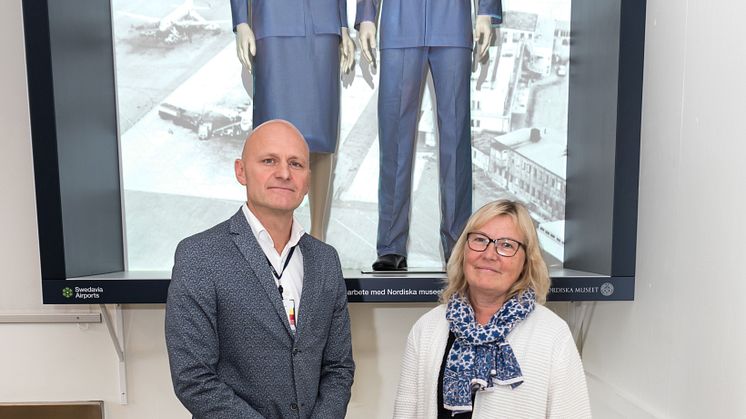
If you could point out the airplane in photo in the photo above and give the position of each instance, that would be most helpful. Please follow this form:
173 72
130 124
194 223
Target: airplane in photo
176 27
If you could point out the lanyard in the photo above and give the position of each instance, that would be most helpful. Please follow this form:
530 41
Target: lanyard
274 272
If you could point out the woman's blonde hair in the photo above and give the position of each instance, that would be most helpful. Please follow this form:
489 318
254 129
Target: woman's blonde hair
535 274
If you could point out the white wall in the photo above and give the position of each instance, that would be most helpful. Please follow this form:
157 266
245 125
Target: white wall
678 350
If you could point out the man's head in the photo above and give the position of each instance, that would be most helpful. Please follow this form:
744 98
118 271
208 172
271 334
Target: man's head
274 167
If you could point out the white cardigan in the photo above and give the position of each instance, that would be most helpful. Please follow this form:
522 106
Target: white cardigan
554 381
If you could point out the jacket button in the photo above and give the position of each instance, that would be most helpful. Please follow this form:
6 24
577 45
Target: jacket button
295 351
293 407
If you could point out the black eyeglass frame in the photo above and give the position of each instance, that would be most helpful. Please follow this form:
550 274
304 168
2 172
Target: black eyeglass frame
494 242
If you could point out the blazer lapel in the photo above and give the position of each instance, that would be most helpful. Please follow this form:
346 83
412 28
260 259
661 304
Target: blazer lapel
244 239
312 282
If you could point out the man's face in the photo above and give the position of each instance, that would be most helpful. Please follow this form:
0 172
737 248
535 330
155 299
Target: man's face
274 169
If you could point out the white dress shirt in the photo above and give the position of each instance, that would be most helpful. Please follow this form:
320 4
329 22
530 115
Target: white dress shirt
292 277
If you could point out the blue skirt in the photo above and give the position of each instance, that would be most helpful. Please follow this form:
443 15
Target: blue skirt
297 79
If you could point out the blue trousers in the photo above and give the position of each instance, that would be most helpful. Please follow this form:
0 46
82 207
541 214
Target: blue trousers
403 72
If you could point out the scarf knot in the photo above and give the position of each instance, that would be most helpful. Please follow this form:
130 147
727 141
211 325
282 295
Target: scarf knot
480 356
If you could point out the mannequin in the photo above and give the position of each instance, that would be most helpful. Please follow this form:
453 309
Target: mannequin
438 35
295 50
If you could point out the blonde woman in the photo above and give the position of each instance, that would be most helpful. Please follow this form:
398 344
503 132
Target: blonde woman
492 350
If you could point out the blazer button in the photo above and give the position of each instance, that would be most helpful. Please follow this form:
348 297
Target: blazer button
293 407
295 351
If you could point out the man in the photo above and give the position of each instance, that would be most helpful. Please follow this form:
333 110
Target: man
294 48
415 35
256 319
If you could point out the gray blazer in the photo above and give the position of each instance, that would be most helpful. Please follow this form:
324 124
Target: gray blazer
231 351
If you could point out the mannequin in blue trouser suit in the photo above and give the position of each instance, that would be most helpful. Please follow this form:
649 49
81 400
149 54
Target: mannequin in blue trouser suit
416 34
293 49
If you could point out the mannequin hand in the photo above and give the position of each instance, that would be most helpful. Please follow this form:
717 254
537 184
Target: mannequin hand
347 49
483 34
245 44
367 36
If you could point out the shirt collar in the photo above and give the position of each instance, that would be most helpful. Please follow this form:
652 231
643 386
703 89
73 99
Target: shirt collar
261 233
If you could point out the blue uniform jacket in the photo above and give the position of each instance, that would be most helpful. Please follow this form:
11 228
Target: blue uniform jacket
420 23
286 17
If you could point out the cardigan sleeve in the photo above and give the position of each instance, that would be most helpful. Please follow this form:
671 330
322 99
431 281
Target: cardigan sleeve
405 405
568 393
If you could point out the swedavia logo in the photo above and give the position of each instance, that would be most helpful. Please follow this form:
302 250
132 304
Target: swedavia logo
67 292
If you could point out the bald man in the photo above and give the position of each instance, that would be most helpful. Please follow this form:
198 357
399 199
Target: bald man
256 320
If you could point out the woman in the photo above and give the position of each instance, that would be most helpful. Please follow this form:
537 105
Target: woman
492 350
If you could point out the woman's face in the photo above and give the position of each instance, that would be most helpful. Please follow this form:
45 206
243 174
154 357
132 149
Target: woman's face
488 274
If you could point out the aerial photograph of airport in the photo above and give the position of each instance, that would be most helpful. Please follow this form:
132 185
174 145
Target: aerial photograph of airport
185 107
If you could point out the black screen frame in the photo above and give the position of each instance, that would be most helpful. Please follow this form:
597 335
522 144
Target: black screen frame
72 99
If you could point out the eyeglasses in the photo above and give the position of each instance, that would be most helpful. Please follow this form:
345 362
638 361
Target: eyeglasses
504 246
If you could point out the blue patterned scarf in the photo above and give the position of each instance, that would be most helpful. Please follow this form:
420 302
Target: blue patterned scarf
480 356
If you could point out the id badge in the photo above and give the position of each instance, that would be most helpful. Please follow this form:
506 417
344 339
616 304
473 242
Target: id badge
290 311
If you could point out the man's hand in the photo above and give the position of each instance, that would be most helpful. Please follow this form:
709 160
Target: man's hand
347 50
367 36
245 44
483 34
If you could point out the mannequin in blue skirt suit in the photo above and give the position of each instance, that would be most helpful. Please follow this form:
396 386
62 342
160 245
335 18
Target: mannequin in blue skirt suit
295 49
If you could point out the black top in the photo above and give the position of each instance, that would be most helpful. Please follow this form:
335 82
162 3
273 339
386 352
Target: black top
444 413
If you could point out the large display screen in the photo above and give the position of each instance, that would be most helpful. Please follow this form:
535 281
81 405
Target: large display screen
185 107
139 108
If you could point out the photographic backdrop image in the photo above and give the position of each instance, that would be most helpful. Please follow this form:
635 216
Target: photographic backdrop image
185 108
